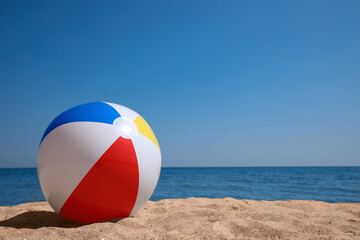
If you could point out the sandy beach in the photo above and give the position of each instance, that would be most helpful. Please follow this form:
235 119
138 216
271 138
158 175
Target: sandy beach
194 218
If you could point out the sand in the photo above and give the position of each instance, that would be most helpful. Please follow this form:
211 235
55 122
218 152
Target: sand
194 218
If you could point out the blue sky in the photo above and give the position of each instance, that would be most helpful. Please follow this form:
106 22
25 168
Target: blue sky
235 83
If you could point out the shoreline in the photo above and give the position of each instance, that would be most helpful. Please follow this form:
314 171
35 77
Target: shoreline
193 218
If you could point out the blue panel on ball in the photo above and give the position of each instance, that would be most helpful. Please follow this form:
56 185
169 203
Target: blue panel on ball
89 112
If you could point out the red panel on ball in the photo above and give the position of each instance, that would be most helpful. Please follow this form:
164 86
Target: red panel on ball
109 189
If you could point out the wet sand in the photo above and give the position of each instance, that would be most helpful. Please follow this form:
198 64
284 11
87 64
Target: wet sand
194 218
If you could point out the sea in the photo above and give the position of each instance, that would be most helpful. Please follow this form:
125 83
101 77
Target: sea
329 184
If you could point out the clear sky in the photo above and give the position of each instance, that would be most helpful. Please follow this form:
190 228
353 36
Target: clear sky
222 83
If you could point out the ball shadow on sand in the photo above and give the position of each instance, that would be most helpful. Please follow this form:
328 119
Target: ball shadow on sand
39 219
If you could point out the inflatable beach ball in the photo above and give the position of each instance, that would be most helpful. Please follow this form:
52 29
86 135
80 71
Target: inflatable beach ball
98 161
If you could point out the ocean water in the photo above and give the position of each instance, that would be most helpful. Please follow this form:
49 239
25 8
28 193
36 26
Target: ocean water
330 184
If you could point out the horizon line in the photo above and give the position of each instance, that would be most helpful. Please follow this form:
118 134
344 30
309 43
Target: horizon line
224 166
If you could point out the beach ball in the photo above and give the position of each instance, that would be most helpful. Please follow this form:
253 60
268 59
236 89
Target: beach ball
98 161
